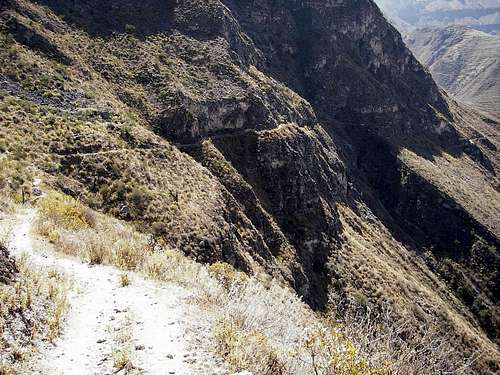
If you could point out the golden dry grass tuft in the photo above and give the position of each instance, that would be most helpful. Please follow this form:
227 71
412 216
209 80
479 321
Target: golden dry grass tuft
124 279
66 212
120 359
122 347
246 350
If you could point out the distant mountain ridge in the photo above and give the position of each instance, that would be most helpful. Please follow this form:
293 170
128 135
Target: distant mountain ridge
483 15
465 62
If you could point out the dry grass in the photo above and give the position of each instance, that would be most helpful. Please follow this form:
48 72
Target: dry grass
34 305
124 280
111 241
31 285
246 350
272 326
376 265
122 346
261 327
120 359
31 308
15 176
66 212
268 330
76 230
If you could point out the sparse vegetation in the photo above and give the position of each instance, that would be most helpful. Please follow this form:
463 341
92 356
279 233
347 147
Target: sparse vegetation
33 301
32 307
246 350
226 274
104 120
122 346
124 280
259 326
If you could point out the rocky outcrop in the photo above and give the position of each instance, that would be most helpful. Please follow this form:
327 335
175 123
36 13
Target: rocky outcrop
340 57
7 266
292 178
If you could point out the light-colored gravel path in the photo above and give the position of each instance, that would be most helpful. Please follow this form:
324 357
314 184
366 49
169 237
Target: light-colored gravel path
155 317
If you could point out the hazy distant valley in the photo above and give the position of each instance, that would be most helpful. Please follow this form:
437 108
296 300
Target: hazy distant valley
483 15
463 61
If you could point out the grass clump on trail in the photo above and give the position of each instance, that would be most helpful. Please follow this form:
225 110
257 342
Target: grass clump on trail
124 279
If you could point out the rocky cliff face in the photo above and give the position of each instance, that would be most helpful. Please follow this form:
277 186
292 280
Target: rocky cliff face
340 57
7 266
299 139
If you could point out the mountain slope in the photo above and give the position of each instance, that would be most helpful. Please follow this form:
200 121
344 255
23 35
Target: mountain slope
464 62
297 139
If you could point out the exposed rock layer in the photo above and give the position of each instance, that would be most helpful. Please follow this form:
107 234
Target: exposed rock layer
7 266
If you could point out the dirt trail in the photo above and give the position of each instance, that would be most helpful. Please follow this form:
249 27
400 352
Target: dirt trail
155 317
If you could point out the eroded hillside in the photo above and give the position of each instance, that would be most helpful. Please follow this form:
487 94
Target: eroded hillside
463 61
297 139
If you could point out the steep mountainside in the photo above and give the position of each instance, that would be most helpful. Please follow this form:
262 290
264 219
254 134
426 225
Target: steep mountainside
465 62
483 15
300 139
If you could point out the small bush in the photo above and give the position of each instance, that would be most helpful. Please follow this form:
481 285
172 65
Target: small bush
155 266
226 274
96 251
130 252
330 352
120 359
124 280
66 211
57 314
246 350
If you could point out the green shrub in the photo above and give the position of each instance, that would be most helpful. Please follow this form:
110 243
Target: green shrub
129 28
